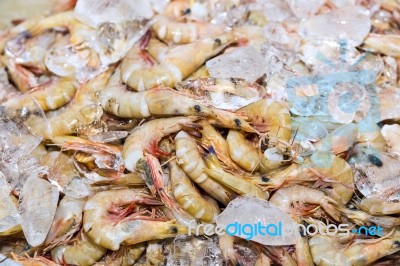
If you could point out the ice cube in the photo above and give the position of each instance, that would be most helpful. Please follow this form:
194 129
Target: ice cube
94 12
305 8
114 40
244 62
38 204
254 211
78 61
349 23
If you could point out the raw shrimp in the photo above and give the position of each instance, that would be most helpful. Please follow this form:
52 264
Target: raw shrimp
136 228
10 221
120 102
211 137
23 79
170 31
244 153
127 255
177 8
175 65
383 44
83 251
226 94
67 220
362 218
363 135
145 138
324 168
79 32
159 184
228 252
81 112
377 206
238 184
50 96
285 198
271 117
131 180
199 206
328 250
189 158
391 133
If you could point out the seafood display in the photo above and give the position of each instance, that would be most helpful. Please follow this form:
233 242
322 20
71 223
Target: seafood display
200 132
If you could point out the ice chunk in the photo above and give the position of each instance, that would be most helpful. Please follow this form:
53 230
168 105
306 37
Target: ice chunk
254 211
7 261
305 8
349 23
16 145
94 12
78 61
38 204
306 128
276 10
190 250
114 40
244 62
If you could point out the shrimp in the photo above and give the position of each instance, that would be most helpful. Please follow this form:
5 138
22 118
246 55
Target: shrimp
177 8
189 158
50 96
120 102
23 79
35 261
328 250
362 135
130 180
228 252
135 228
10 221
244 153
83 251
199 206
391 133
324 168
361 218
384 44
127 255
145 138
271 117
285 198
239 185
377 206
82 111
229 94
67 220
211 137
174 66
79 32
170 31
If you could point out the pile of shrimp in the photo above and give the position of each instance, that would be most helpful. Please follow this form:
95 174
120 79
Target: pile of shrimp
142 129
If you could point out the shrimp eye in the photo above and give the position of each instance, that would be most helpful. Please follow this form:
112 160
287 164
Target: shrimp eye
197 108
264 178
218 42
375 160
186 11
174 230
237 122
397 243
